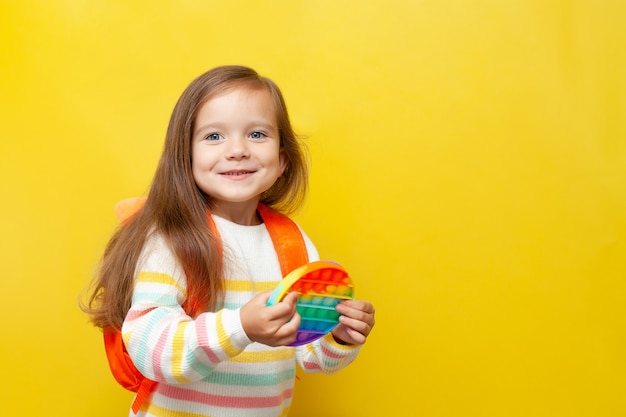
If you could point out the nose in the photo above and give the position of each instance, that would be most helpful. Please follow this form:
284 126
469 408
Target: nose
237 148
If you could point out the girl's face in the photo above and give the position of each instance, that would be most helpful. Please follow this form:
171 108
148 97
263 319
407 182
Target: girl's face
236 151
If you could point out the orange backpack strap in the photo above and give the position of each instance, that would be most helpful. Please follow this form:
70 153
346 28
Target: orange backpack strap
286 237
123 368
146 387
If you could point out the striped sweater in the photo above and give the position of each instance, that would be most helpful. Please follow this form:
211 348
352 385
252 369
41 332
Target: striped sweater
209 366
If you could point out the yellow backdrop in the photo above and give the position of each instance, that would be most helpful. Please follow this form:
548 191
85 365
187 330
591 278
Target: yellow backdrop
469 169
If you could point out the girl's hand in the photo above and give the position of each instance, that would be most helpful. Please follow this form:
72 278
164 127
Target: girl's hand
355 323
273 326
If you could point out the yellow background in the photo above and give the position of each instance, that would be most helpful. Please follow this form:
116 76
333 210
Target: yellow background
469 169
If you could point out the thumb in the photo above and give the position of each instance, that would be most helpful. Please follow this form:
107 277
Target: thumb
291 298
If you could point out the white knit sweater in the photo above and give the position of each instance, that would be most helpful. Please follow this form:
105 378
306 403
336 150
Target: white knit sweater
209 366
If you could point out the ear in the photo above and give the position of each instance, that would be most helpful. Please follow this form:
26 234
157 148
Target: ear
282 160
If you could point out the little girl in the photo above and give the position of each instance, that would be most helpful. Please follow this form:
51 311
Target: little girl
229 147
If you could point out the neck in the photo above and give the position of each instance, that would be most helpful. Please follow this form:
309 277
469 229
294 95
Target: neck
244 214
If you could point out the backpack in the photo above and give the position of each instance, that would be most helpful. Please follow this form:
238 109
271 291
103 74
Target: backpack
290 249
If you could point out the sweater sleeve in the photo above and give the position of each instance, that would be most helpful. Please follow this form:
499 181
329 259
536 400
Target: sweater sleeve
165 344
325 355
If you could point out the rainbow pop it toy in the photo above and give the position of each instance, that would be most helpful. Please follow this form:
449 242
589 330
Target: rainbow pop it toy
320 285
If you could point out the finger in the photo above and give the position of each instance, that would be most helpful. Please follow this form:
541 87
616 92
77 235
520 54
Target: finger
359 326
279 315
292 325
288 331
264 296
348 335
356 337
360 305
347 310
291 298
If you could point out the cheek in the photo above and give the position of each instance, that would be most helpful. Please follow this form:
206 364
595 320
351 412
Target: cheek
198 165
195 174
201 160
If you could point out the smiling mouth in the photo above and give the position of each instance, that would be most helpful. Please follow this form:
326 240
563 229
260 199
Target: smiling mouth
237 173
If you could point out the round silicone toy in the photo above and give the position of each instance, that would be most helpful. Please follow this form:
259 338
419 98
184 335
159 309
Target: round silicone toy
320 285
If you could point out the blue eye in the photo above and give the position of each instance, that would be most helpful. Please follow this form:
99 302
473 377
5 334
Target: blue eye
214 137
257 135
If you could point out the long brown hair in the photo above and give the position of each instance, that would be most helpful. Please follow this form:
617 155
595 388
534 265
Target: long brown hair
176 208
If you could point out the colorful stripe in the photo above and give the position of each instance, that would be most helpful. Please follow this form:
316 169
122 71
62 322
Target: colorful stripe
157 357
229 401
160 278
274 355
203 339
248 286
178 348
222 336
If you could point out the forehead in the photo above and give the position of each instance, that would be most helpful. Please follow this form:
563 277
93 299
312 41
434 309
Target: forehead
238 104
244 92
241 87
